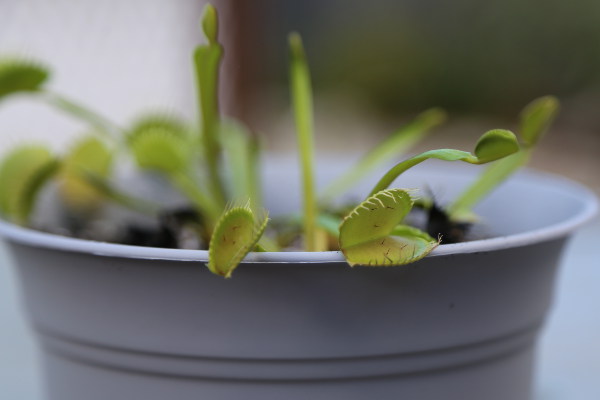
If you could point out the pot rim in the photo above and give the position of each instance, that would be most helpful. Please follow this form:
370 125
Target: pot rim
52 241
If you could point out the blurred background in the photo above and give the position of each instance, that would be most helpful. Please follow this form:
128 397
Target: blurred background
374 64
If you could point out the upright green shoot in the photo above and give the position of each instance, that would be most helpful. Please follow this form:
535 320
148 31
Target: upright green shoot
301 92
536 118
397 143
242 156
207 59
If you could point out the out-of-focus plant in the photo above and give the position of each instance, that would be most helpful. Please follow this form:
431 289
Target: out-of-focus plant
215 166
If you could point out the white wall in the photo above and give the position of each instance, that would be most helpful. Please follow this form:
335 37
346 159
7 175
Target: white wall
118 56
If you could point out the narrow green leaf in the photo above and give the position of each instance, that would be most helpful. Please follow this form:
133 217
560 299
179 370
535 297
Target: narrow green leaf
99 123
491 146
207 59
496 173
18 76
236 233
371 235
398 142
91 155
107 190
330 224
242 155
537 117
23 173
267 244
201 198
301 92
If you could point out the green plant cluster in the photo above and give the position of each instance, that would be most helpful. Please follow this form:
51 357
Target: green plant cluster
215 165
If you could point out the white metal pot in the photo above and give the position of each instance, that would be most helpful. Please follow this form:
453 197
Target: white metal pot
120 322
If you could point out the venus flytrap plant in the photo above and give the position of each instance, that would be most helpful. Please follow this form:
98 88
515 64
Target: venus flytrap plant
372 235
217 165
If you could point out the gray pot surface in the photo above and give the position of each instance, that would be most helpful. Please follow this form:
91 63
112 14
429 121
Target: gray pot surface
123 323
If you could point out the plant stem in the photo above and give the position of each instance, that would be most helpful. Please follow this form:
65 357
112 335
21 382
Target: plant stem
442 154
254 181
209 209
207 60
73 108
125 200
303 111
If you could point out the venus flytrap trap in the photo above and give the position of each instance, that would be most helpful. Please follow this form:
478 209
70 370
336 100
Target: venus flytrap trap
215 166
373 234
89 156
23 174
236 234
21 76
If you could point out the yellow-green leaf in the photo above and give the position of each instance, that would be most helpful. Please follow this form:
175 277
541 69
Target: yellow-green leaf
372 235
236 233
495 144
23 173
91 156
